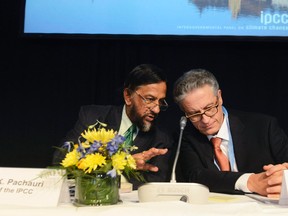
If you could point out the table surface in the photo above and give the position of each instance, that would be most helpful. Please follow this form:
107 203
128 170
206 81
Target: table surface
218 204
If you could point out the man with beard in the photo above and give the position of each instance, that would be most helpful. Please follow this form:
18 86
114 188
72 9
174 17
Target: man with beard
144 96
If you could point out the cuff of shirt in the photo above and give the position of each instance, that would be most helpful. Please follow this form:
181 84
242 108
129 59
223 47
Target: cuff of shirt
241 183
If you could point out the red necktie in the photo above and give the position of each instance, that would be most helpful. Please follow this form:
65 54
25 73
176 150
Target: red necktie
221 158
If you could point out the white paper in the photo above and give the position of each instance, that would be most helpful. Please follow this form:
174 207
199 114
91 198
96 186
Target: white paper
284 189
30 186
264 199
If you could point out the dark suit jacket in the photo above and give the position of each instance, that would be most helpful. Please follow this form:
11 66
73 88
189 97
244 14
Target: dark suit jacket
258 140
111 115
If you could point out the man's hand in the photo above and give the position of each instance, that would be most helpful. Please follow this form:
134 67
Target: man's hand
142 158
258 183
268 183
275 174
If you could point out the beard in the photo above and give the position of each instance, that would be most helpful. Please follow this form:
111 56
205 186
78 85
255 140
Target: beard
143 125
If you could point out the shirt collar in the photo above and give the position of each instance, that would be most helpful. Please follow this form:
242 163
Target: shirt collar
125 122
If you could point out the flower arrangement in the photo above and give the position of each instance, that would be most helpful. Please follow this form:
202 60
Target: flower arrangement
100 150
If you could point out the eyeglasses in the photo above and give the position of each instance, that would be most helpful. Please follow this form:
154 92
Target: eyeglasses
151 104
211 111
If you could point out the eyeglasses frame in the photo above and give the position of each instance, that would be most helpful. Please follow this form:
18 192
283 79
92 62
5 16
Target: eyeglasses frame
204 112
162 107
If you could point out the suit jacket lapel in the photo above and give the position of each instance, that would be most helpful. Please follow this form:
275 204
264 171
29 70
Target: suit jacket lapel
202 145
238 139
142 141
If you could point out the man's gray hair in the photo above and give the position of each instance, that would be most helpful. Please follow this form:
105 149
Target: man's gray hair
191 80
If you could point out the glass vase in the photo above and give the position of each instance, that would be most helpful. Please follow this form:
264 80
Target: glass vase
96 189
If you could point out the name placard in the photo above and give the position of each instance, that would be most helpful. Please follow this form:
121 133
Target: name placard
32 187
284 189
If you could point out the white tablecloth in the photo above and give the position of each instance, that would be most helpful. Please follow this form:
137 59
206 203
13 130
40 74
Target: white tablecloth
218 204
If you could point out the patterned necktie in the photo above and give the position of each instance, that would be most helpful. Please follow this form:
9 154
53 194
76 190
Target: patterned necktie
129 135
221 158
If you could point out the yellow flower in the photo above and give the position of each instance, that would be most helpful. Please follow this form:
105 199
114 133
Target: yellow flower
102 135
91 162
119 161
96 155
85 144
131 161
71 158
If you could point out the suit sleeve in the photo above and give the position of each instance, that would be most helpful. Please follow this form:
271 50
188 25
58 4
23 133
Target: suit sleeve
158 139
163 162
278 142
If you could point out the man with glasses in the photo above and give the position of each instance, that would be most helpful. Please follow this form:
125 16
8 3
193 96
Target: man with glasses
144 96
227 150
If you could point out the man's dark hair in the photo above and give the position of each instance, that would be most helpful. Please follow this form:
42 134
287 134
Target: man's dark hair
144 74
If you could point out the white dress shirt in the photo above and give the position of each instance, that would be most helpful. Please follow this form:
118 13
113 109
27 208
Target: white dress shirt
227 147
